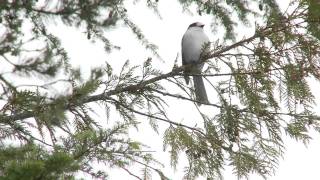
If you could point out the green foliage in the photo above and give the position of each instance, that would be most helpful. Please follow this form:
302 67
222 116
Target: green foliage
313 17
262 91
31 161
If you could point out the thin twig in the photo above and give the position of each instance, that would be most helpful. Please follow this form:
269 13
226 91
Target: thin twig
129 172
183 98
158 118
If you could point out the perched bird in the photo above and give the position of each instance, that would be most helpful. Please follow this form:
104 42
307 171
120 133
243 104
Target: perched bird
192 45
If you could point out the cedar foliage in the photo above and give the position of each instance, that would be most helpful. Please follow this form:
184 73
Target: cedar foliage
270 68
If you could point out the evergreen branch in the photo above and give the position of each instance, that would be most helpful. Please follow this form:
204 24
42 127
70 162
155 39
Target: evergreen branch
44 86
168 121
296 115
239 73
178 96
89 170
143 84
158 118
163 177
7 83
21 130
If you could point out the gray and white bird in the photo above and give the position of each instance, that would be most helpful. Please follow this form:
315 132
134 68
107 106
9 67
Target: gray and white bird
192 45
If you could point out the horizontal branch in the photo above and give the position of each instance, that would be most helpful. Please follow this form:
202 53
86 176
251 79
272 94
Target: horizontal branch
183 98
130 88
159 118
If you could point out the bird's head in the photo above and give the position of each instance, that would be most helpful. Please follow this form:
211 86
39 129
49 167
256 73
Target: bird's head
196 24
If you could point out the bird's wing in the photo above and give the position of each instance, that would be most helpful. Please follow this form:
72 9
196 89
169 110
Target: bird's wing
184 62
183 53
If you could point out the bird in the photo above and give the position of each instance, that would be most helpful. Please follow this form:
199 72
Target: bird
192 44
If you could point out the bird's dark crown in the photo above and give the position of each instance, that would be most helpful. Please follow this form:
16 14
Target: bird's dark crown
196 24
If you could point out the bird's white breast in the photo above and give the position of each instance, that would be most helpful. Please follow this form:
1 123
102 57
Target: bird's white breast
192 43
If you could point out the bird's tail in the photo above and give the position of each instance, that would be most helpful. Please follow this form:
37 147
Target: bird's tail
200 90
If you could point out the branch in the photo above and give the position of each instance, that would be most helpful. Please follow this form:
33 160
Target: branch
157 170
182 97
8 84
58 12
170 122
129 172
158 118
106 95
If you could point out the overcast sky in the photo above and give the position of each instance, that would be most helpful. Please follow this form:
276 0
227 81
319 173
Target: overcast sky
298 162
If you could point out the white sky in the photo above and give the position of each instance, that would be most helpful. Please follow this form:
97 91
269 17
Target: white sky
298 162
